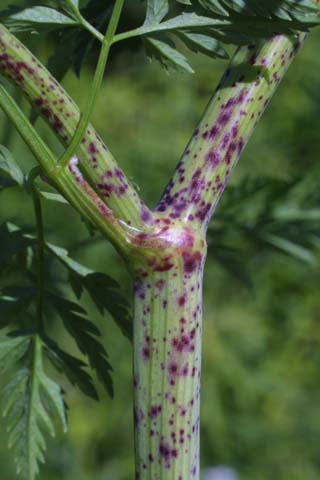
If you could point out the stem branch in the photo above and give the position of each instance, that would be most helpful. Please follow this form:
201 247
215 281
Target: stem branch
96 85
232 115
52 102
68 180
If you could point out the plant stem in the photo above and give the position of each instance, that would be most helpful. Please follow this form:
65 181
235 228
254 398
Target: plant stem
36 366
95 160
165 250
232 115
169 267
77 15
40 246
96 85
40 150
167 356
68 180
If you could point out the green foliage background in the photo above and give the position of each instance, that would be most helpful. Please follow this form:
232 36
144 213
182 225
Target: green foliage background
261 362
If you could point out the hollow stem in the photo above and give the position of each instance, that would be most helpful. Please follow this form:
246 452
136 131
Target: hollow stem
232 115
68 180
52 102
167 355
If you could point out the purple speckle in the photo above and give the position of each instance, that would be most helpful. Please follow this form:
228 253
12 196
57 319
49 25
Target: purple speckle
213 158
155 411
146 353
191 261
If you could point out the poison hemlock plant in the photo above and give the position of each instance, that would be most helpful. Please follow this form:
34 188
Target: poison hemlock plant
165 247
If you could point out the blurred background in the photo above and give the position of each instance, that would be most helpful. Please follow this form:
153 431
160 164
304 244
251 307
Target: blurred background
261 346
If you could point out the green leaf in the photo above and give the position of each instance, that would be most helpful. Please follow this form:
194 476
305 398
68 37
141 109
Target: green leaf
10 173
264 215
198 42
97 13
156 11
185 20
165 51
303 11
84 333
103 289
20 19
30 401
72 367
73 45
63 255
12 350
204 25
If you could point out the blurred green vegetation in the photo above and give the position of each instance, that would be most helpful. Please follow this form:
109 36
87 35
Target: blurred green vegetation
261 361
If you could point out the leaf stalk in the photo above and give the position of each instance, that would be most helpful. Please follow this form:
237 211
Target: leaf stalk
96 85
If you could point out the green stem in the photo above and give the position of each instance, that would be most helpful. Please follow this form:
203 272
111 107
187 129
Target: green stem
126 35
97 81
167 357
232 115
35 172
77 15
167 259
40 150
36 365
96 162
169 264
68 180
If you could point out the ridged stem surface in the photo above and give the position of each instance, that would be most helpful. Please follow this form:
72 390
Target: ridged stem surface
165 249
167 358
52 102
232 115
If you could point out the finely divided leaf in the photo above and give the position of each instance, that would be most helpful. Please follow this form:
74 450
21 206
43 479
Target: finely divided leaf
165 51
20 19
156 11
12 350
85 334
202 43
302 10
105 294
30 401
277 220
221 21
73 368
63 255
103 289
73 45
186 20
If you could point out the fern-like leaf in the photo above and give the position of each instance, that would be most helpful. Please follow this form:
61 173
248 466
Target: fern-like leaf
30 401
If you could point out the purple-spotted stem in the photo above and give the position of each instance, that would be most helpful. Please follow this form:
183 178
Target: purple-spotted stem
169 266
167 355
52 102
164 249
227 124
